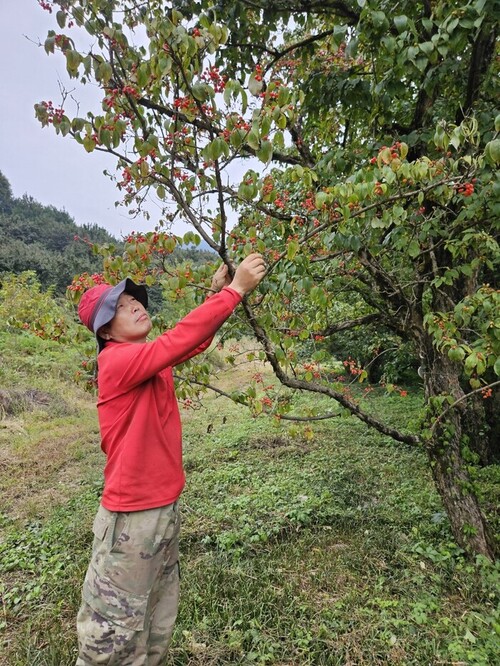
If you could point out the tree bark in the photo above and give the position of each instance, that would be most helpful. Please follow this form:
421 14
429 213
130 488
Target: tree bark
444 449
481 424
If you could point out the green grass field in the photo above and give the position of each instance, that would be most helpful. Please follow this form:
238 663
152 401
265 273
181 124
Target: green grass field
330 549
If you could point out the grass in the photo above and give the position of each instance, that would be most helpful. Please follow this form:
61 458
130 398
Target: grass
324 550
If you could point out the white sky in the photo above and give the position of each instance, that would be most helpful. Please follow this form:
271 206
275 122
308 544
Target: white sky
54 170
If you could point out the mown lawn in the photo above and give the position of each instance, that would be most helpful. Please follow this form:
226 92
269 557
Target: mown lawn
330 549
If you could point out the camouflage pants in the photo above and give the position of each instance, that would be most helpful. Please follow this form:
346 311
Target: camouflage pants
131 590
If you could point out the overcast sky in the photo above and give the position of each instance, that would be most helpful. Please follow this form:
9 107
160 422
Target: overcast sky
52 169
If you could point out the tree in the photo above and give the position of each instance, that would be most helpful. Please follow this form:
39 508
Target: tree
371 143
5 195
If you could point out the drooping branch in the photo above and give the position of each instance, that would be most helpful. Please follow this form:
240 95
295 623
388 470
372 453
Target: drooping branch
297 45
282 417
208 127
466 396
314 387
351 323
341 326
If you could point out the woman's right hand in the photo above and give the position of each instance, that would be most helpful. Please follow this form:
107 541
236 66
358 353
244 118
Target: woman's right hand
248 274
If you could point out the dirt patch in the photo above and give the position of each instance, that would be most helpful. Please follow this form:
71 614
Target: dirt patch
276 442
43 463
279 445
17 401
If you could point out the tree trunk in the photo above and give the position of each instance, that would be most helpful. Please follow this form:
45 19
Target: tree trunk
455 488
448 467
481 423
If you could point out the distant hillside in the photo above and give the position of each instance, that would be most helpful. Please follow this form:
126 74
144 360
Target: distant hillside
42 238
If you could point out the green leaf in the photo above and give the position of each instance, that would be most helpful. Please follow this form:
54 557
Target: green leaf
470 363
283 96
104 72
414 248
456 354
200 91
265 152
492 152
73 60
61 19
254 86
237 137
77 124
427 48
320 199
401 23
379 19
253 139
292 249
88 143
49 43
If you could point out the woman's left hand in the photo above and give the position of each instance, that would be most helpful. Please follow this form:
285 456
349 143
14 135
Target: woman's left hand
220 279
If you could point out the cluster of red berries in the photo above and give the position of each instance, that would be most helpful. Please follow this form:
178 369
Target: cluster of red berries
113 93
45 5
130 90
273 94
241 123
258 73
466 189
394 153
339 59
85 281
62 42
352 366
313 368
53 115
180 134
268 186
309 203
184 104
213 76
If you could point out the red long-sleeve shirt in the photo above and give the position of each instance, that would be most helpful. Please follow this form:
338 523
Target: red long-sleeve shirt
138 412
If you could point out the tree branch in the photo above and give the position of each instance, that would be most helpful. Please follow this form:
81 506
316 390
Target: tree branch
307 7
297 45
314 387
351 323
464 397
483 52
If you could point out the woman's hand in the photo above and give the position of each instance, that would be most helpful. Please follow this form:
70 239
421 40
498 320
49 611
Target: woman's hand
220 279
249 273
